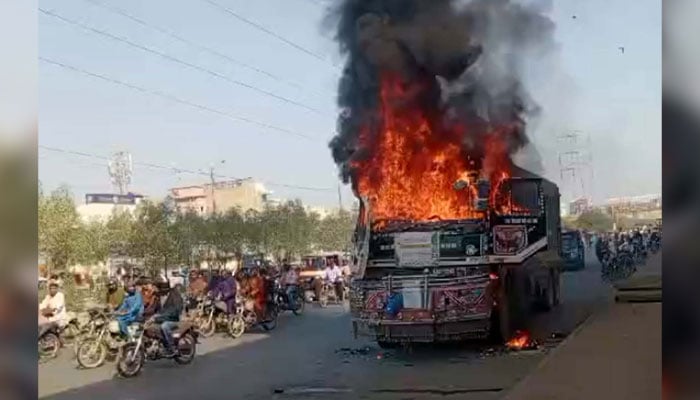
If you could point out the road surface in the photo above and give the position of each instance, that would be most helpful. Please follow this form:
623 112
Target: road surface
315 356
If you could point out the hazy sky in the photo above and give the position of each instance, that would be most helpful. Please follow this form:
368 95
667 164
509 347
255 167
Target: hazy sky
611 96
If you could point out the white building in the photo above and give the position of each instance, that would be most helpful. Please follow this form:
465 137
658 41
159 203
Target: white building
101 206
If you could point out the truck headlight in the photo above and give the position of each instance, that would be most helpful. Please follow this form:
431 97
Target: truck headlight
509 239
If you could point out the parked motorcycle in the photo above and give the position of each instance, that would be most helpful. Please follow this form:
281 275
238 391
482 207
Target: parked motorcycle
49 341
146 343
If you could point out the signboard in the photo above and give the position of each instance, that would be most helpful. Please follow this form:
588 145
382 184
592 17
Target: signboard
416 249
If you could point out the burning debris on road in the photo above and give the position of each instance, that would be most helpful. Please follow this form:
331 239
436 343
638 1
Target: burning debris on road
432 94
522 341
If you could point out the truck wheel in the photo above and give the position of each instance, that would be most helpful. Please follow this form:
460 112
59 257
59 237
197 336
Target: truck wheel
513 306
546 295
556 280
387 345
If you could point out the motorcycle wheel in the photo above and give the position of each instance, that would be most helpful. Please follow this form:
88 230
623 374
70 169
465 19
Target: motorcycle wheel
323 300
206 327
187 347
236 326
126 368
49 344
272 314
299 305
70 333
91 354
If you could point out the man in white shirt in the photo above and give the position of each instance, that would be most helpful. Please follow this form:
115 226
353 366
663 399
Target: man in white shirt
334 274
53 307
291 283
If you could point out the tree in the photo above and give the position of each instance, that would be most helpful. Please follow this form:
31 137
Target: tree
151 239
59 228
334 233
594 220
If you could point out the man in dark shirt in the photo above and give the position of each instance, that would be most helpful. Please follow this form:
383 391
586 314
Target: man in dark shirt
169 317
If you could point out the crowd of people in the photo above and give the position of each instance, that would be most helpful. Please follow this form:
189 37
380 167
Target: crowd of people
140 299
626 250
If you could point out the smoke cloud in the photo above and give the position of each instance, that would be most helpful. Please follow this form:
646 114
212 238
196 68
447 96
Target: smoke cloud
470 56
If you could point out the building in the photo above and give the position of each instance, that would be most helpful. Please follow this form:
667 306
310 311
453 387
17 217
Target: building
322 212
101 206
642 207
579 206
205 199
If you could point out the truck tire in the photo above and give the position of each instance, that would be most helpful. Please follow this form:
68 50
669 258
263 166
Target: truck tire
546 294
513 307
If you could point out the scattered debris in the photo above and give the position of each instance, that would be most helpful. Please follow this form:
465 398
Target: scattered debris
522 341
311 390
347 351
557 335
440 392
622 49
573 17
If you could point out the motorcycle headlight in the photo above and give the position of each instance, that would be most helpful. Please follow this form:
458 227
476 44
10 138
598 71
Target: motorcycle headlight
113 327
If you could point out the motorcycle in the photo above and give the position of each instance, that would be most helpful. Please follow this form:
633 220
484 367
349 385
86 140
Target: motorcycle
49 341
328 295
282 299
211 315
93 351
98 316
146 343
246 318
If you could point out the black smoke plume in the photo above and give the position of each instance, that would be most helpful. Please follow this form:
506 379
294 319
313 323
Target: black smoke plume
471 54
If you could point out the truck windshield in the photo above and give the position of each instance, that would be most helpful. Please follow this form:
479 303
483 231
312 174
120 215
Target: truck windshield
525 195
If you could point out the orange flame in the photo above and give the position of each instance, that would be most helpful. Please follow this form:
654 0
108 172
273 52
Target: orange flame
520 341
410 171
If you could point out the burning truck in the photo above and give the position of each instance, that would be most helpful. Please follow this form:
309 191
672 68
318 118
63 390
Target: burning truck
454 240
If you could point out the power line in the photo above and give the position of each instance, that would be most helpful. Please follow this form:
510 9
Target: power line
176 99
178 61
208 174
268 31
198 46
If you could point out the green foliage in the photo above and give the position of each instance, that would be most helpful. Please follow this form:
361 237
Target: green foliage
594 220
59 228
160 237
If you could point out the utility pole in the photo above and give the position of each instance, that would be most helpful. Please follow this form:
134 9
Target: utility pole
120 170
340 199
575 165
213 184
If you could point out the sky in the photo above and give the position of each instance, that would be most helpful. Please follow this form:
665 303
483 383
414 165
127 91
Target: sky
610 96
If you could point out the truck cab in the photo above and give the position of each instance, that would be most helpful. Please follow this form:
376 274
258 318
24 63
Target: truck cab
459 279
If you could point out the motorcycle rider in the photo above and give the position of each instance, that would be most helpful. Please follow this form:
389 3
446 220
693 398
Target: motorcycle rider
226 291
131 308
291 283
115 294
169 317
53 307
151 299
333 275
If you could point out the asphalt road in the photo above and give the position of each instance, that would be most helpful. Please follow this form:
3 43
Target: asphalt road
315 356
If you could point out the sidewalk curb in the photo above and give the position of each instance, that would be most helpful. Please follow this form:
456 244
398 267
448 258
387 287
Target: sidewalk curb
540 366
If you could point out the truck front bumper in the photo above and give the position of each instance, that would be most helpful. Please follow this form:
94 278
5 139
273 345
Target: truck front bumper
427 331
